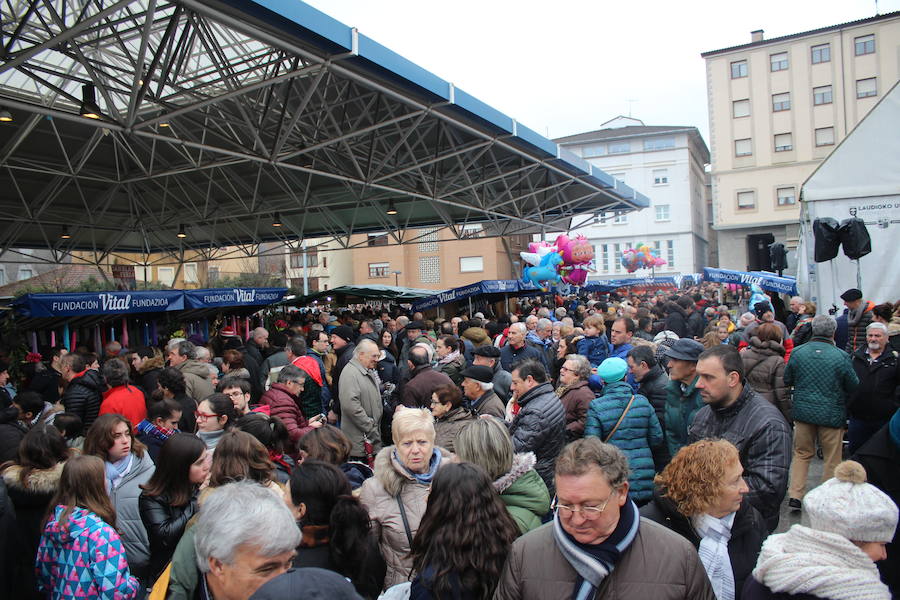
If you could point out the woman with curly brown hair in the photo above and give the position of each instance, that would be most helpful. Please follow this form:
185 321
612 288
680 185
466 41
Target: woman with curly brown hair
700 496
464 537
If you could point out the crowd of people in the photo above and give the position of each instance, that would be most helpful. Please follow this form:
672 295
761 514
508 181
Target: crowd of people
615 446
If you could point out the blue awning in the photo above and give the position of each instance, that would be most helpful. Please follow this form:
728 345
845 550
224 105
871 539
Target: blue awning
488 286
222 297
767 281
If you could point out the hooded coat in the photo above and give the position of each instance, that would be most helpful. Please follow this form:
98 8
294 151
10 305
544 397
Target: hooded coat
196 379
83 557
682 404
286 406
764 372
524 492
540 427
677 321
380 495
83 396
31 498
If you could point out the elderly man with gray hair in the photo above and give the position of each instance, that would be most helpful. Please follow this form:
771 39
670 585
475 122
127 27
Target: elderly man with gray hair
823 380
183 356
245 536
575 394
877 397
360 399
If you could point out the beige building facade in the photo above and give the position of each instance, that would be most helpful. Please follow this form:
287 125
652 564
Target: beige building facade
777 108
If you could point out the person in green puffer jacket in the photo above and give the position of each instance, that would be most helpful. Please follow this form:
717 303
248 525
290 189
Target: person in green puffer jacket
823 379
682 396
486 443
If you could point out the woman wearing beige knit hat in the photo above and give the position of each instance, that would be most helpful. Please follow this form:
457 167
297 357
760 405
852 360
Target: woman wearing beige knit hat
850 523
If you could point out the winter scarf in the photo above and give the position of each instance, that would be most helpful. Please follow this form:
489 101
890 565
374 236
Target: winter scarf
115 471
211 438
160 433
449 358
714 535
593 562
823 564
423 478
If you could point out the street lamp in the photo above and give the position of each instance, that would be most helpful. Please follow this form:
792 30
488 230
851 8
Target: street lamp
396 278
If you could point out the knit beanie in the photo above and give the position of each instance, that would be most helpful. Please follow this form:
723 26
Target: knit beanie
850 507
612 369
894 429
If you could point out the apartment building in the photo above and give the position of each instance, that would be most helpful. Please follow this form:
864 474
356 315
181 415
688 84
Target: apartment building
434 259
667 164
777 108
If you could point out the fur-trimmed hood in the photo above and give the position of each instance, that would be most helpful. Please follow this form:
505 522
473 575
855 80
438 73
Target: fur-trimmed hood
154 362
38 481
393 480
522 463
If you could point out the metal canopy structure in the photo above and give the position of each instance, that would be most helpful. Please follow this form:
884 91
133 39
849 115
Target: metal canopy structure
226 117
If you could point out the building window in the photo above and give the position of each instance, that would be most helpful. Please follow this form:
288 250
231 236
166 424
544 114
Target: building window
25 273
738 69
659 143
379 270
2 275
378 239
190 273
617 257
472 231
325 263
670 253
312 259
604 258
866 87
740 108
662 212
430 269
428 241
865 44
593 150
143 274
743 147
825 136
620 218
619 147
746 200
781 102
821 53
166 275
822 95
783 142
660 176
212 274
786 196
779 61
471 264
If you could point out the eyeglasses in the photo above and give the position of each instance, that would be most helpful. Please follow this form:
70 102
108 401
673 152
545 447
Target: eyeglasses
235 394
588 512
566 369
202 415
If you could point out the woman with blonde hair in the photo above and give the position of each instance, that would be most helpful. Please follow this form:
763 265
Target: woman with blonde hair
700 496
396 497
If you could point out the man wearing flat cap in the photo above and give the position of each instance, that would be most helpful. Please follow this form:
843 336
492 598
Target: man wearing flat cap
858 318
682 396
489 356
478 388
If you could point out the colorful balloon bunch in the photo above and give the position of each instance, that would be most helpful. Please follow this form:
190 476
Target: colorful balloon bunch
640 257
568 260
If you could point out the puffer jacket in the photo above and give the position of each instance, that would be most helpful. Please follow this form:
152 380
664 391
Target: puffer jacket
452 368
748 531
540 427
128 515
196 379
654 387
576 399
165 525
638 432
764 372
83 395
30 498
763 439
83 558
878 395
659 564
681 408
447 426
857 321
286 406
361 407
524 492
380 495
823 379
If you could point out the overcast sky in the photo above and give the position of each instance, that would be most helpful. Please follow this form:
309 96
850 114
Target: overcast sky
564 67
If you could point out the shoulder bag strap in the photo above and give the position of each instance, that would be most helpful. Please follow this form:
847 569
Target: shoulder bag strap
409 536
619 422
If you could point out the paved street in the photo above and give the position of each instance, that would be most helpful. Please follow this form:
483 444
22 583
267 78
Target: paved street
789 517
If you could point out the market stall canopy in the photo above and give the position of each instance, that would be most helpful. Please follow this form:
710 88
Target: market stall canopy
347 293
190 125
766 281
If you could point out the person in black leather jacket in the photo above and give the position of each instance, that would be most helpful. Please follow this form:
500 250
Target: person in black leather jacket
652 382
84 389
169 499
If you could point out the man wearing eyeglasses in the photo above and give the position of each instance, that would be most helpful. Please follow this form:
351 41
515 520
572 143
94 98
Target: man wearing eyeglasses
597 545
238 389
